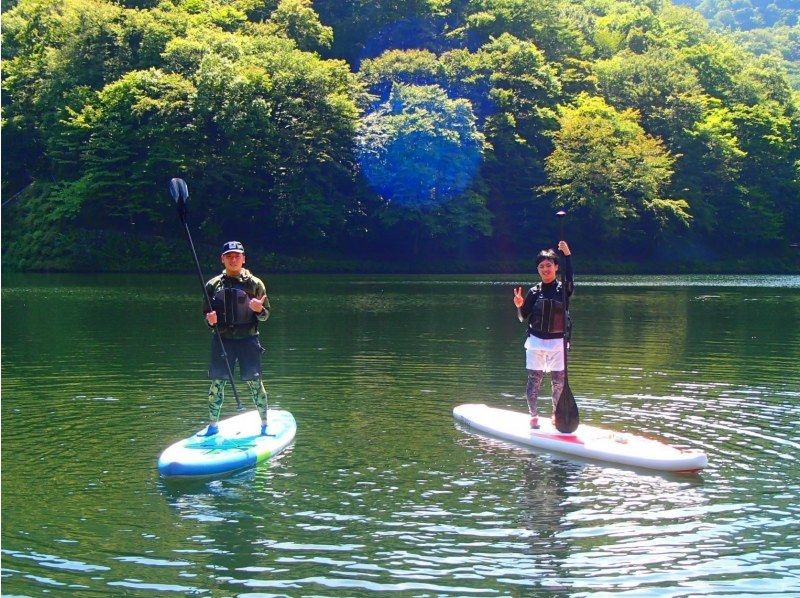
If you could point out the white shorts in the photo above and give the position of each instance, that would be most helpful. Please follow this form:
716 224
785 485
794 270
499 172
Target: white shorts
544 354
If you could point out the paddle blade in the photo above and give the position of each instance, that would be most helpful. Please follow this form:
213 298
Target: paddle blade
566 415
180 194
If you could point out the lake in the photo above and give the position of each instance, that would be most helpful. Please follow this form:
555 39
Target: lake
381 491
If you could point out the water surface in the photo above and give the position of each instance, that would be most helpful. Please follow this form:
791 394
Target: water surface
381 491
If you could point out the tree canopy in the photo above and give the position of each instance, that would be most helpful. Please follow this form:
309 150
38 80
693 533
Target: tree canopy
747 14
446 128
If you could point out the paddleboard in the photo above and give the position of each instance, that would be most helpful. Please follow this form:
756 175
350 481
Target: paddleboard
588 442
238 445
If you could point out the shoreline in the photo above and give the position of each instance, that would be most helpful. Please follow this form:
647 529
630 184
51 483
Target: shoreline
785 266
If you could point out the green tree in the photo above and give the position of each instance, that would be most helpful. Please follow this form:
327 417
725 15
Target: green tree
717 63
613 174
102 97
298 21
366 28
546 23
782 43
56 51
769 207
420 151
625 25
661 86
710 167
128 137
408 67
276 141
515 90
747 14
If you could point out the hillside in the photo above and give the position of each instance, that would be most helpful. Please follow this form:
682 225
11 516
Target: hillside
431 134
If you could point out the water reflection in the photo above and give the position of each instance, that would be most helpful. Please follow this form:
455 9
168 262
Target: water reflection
381 491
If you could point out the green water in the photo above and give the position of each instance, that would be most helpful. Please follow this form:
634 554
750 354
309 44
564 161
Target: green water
381 491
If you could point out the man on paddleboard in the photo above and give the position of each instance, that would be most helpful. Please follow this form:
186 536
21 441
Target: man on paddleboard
544 310
238 303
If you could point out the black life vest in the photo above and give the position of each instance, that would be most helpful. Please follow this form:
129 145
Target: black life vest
547 315
232 305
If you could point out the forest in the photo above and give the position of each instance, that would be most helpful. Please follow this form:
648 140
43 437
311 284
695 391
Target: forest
747 14
417 136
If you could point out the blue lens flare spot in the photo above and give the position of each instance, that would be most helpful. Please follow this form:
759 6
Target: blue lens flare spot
420 148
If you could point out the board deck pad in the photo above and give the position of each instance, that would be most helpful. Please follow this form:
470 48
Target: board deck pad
239 444
588 442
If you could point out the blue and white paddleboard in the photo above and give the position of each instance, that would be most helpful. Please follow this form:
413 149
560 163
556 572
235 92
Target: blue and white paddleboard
239 444
587 442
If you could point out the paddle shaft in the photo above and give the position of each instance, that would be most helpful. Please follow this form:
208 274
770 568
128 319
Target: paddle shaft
564 299
567 418
208 299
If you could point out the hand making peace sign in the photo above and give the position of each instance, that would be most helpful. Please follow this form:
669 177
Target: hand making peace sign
518 298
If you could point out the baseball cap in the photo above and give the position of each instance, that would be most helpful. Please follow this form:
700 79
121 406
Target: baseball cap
232 246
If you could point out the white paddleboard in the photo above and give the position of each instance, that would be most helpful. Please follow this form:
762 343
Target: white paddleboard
587 441
239 444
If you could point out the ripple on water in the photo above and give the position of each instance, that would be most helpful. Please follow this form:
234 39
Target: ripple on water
382 492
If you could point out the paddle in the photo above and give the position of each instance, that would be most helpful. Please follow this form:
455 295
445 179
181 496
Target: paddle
566 413
180 193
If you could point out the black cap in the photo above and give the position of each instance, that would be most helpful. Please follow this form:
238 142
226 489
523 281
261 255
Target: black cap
232 246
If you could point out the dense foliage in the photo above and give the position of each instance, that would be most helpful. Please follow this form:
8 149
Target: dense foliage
764 27
429 133
747 14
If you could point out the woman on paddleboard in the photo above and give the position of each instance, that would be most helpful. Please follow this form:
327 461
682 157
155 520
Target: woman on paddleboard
238 303
545 311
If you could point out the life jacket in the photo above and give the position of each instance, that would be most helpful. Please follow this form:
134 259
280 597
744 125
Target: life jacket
547 315
232 307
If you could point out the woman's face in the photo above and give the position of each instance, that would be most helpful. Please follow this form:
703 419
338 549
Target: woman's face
547 270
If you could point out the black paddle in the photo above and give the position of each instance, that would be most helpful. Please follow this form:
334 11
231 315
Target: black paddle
566 414
180 193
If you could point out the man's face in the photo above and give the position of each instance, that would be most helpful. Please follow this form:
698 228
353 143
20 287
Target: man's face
547 270
233 262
